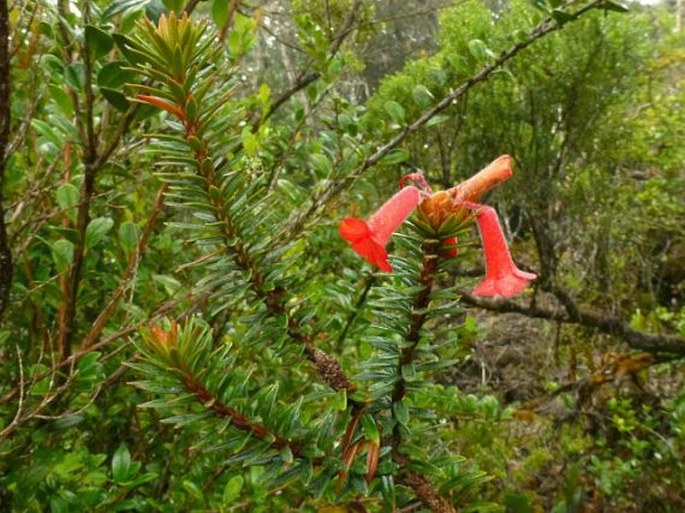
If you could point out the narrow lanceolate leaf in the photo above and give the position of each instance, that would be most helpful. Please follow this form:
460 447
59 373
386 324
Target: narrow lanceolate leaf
220 12
162 104
370 428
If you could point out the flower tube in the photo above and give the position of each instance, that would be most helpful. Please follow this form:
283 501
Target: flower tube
369 238
502 277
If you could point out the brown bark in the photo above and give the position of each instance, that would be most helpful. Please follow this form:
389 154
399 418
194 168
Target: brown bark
5 118
426 492
602 321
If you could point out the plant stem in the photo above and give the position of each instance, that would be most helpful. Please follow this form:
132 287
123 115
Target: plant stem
129 274
425 490
413 336
327 366
238 420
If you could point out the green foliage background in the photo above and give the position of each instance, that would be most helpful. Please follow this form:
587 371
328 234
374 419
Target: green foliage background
217 216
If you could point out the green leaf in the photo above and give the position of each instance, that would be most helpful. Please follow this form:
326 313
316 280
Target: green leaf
388 491
52 64
48 131
395 156
395 111
409 372
234 46
340 400
99 42
422 96
114 75
174 5
220 12
306 471
436 120
88 361
62 100
43 386
67 196
154 10
321 164
170 284
250 142
517 503
370 428
541 5
193 490
121 465
128 236
561 16
292 191
401 413
610 5
125 45
97 229
74 76
148 476
233 488
119 6
116 99
348 124
478 49
69 421
263 96
286 455
62 254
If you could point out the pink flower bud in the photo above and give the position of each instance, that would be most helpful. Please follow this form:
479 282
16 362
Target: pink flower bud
502 277
369 238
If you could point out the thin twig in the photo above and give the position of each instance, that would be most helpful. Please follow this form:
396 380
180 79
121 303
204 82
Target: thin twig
15 421
125 281
160 311
91 400
307 78
90 159
238 420
356 310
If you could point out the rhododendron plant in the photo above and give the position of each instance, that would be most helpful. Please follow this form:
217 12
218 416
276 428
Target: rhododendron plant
369 238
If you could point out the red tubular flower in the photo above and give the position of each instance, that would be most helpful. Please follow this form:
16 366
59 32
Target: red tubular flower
502 277
368 238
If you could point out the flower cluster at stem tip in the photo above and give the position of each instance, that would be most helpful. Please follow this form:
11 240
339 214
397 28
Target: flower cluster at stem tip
369 237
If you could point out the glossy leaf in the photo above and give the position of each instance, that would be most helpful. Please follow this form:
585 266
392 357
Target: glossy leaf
121 465
99 42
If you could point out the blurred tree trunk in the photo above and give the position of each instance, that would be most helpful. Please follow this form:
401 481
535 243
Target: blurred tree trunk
5 113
